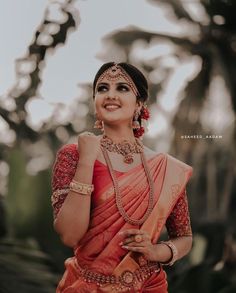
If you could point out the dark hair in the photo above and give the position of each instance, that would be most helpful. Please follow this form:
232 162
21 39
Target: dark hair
136 75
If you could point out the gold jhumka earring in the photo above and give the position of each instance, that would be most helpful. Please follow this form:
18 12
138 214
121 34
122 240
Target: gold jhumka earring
135 123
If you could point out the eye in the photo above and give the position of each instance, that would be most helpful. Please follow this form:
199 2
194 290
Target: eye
102 88
123 88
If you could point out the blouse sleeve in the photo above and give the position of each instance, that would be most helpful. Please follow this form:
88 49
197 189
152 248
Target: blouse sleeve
63 172
178 223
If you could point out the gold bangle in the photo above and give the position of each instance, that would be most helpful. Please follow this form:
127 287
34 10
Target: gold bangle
81 188
174 253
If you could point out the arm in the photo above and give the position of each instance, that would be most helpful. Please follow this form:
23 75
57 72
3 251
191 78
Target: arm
163 253
179 230
73 215
72 220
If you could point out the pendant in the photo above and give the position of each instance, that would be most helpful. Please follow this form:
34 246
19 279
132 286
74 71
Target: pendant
128 159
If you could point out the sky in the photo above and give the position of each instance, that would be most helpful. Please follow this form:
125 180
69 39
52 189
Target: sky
97 19
77 61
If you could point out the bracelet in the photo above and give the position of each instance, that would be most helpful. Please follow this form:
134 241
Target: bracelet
174 253
81 188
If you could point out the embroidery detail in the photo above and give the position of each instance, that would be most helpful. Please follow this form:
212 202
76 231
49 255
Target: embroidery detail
57 199
63 173
110 192
175 189
127 278
178 223
56 195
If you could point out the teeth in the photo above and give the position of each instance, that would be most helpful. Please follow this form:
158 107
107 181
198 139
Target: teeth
111 107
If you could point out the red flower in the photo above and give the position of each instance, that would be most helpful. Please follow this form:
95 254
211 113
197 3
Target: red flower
145 113
139 132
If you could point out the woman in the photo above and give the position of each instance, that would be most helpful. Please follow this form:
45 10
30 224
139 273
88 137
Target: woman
112 196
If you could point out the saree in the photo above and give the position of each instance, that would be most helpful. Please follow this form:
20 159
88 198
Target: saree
99 249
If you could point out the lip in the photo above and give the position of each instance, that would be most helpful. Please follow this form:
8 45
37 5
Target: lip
111 106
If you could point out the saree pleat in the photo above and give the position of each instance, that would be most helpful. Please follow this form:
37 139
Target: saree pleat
102 239
100 250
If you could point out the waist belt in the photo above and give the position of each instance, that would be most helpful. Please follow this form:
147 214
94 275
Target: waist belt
127 279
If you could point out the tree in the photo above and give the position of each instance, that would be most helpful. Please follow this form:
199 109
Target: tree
24 267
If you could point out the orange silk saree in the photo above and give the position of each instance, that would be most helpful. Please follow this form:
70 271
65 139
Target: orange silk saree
99 250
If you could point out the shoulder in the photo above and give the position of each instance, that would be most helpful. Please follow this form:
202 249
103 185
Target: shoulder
69 150
174 161
149 152
169 158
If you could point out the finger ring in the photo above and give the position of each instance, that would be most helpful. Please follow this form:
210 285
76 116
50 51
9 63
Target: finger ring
138 238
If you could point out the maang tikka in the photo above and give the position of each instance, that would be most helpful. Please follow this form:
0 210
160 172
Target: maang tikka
115 72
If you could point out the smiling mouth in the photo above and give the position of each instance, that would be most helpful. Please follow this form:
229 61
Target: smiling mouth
111 107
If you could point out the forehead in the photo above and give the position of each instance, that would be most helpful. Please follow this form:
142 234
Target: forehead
119 79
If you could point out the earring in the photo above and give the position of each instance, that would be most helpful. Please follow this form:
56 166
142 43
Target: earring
98 124
135 123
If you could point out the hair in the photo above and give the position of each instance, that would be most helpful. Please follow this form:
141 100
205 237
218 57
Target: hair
135 74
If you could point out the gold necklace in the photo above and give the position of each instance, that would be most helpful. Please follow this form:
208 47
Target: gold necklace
126 148
125 216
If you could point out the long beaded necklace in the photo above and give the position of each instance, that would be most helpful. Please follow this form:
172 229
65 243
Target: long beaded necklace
126 217
126 148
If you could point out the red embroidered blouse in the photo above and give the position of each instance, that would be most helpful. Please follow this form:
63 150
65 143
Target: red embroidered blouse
177 224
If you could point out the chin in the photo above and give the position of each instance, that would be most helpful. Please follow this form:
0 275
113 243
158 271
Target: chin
112 121
112 117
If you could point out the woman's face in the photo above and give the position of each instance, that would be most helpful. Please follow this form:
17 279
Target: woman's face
115 102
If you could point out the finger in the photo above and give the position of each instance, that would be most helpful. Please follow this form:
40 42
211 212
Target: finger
130 232
133 240
134 248
133 232
135 244
127 241
146 237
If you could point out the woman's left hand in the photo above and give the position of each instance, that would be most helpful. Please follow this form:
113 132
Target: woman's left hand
139 241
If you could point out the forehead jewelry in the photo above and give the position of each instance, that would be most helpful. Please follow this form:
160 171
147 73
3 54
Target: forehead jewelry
114 73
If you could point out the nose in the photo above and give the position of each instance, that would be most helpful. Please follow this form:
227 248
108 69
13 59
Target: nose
112 94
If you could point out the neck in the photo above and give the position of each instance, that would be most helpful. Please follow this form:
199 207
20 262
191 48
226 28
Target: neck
118 134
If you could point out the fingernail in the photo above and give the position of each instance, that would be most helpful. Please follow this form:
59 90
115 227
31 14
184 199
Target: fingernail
120 233
125 247
121 243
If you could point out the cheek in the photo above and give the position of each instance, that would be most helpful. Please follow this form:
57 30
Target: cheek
130 106
131 111
97 103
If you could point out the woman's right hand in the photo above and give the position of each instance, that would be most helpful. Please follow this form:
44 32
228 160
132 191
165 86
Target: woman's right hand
88 147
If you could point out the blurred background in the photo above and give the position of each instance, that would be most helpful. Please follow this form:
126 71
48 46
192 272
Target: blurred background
50 52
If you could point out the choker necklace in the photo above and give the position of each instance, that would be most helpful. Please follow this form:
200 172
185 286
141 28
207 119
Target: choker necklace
118 197
126 148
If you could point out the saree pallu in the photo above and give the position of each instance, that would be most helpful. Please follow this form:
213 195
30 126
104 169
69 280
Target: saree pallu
99 249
